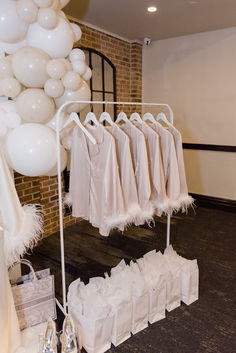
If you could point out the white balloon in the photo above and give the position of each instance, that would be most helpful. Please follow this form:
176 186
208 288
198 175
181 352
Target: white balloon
5 68
55 5
77 54
12 27
11 48
79 66
8 106
57 42
10 87
83 93
10 120
53 122
43 3
31 149
77 31
3 130
33 105
27 10
54 88
47 18
53 171
67 64
56 68
72 81
88 74
29 66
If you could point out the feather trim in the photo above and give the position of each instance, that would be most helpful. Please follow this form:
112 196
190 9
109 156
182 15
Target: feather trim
67 200
16 245
145 215
186 201
117 222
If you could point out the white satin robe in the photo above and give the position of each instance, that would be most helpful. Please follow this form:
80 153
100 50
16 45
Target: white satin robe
170 166
185 199
126 170
141 169
95 188
157 177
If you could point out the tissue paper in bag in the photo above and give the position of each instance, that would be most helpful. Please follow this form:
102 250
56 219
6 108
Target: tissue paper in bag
189 282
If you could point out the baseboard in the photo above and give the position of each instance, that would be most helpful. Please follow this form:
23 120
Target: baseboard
214 202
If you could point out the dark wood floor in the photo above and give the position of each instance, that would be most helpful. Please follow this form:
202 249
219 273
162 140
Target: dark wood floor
206 326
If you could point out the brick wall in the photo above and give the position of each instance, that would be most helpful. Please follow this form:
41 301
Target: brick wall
127 59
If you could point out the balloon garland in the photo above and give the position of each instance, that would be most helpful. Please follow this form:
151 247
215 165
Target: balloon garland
39 71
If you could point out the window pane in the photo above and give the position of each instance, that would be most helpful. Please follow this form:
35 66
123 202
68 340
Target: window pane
108 72
109 97
97 108
97 72
86 57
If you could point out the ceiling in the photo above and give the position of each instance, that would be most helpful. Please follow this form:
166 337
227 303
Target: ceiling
129 18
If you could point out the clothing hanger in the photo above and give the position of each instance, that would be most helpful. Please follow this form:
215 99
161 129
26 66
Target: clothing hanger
74 117
121 116
162 116
135 116
91 117
149 117
106 117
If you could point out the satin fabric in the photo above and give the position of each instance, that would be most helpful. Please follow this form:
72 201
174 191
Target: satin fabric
10 337
95 187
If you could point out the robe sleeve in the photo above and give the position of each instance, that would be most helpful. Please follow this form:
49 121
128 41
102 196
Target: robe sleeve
113 210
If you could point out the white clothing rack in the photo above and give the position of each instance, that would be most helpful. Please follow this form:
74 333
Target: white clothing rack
58 128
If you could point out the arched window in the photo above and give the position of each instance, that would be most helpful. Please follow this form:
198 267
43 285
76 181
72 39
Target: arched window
102 83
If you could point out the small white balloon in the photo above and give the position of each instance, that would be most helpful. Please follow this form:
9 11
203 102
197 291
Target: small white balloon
29 66
54 88
56 5
43 3
10 120
8 106
76 54
56 68
62 120
11 48
77 31
57 42
47 18
11 87
83 94
27 10
72 81
88 74
67 64
5 68
53 171
3 130
79 66
12 27
31 149
33 105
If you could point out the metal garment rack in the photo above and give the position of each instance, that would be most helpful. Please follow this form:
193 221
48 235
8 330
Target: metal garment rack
58 129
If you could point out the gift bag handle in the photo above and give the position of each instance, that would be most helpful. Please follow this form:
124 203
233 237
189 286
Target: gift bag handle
27 263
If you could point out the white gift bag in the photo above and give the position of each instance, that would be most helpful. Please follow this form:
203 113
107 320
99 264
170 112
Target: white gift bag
173 287
140 313
189 282
122 323
157 303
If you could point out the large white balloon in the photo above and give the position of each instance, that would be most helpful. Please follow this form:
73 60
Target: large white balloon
83 94
31 149
57 42
77 31
12 27
27 10
5 68
53 171
10 87
72 81
30 66
33 105
47 18
11 48
54 88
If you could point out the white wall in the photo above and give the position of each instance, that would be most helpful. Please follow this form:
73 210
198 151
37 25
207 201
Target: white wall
196 75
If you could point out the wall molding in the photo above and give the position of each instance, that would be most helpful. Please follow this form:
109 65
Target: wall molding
209 147
214 202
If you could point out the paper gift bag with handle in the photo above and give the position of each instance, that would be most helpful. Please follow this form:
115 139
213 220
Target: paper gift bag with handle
34 297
